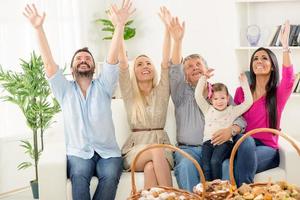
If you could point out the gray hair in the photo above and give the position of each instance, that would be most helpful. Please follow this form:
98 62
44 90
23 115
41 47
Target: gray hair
195 56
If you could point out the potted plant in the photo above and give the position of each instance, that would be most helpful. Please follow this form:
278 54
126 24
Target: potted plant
30 91
109 27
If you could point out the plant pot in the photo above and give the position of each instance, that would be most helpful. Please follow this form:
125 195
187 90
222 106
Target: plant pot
35 189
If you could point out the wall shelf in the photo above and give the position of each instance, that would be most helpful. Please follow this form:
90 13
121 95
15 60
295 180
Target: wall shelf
264 14
242 48
295 95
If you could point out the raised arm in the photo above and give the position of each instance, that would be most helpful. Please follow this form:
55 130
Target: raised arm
201 101
177 33
123 60
166 18
36 20
248 100
119 16
284 39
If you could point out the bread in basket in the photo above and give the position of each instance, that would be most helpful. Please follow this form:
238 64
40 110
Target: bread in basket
263 191
215 190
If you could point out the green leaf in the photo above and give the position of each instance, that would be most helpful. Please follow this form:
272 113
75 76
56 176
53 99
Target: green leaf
24 165
108 29
129 22
107 38
105 22
129 33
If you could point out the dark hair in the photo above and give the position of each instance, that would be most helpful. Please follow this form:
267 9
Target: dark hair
217 87
84 49
271 87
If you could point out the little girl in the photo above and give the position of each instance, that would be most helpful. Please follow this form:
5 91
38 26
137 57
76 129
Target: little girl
218 115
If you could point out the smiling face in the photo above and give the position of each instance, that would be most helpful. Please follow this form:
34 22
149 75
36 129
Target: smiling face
261 63
143 69
83 65
220 96
220 100
193 68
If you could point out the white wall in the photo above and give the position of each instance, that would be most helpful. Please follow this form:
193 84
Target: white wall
211 30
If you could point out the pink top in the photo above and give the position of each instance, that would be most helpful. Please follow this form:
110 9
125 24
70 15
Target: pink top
256 116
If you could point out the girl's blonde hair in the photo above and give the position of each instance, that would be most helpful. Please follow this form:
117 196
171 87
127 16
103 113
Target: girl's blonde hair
138 112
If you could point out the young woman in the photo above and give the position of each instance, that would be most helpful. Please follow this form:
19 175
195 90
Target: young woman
260 152
146 103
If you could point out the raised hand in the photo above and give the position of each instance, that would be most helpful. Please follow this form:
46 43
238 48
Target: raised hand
119 16
243 77
208 73
33 16
176 29
165 16
284 34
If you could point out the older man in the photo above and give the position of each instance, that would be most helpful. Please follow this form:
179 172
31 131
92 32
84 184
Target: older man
189 118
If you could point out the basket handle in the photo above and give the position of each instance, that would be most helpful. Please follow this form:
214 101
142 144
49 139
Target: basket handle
238 143
152 146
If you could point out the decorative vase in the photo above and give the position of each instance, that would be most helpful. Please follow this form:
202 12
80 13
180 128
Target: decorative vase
253 35
35 189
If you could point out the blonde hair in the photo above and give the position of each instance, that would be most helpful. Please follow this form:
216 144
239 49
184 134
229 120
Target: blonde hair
138 112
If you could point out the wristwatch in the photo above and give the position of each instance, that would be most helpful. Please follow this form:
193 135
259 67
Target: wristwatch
233 133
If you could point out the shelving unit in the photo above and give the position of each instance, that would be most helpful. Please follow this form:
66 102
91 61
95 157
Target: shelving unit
267 14
269 47
296 95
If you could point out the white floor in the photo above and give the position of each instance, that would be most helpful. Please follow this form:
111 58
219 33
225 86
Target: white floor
20 195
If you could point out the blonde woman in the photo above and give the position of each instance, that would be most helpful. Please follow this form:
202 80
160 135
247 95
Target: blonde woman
146 102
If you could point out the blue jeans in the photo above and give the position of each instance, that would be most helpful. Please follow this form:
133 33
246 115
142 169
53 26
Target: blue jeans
81 171
252 157
186 173
212 158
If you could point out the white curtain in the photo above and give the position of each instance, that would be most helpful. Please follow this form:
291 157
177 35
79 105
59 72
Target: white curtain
69 25
65 20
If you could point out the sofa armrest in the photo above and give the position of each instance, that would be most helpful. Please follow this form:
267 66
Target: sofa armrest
289 161
53 172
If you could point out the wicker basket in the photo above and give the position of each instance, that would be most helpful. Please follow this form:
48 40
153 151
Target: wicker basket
135 195
257 186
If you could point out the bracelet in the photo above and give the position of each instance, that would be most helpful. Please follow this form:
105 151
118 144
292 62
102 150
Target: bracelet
286 49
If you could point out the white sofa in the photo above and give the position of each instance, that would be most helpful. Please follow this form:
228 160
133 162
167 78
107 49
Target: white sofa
53 183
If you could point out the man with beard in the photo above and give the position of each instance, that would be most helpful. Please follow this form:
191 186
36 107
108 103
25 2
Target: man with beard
91 145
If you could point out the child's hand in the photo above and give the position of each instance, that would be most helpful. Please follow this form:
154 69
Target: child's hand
243 77
208 73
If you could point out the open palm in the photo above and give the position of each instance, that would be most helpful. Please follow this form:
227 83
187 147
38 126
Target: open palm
121 15
176 29
165 16
284 34
33 16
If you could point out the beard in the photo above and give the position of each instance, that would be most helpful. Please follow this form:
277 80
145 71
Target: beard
88 73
